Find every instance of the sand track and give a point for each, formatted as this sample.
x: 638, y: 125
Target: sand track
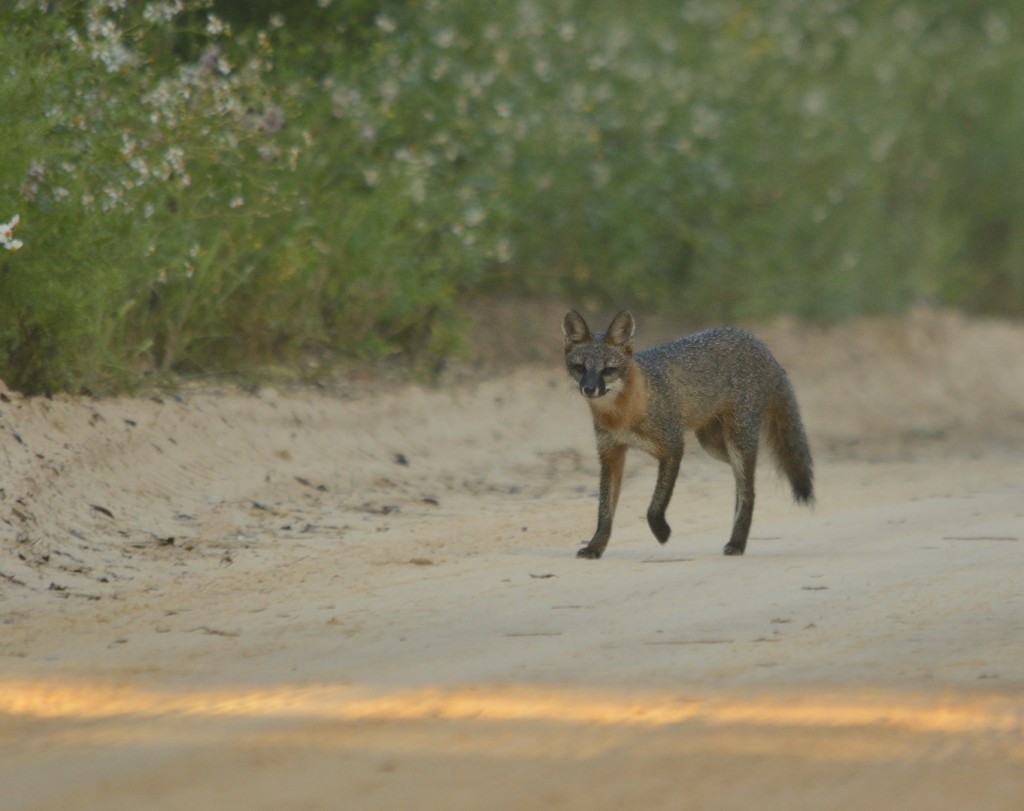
x: 232, y: 600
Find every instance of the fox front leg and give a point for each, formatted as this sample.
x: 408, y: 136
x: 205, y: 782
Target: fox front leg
x: 668, y: 471
x: 613, y: 460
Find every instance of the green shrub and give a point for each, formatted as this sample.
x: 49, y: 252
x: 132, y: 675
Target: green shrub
x: 205, y: 187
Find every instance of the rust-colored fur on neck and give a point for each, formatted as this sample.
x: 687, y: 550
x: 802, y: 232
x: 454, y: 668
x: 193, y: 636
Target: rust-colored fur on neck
x: 628, y: 407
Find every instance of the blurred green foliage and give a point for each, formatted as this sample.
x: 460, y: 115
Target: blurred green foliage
x: 208, y: 186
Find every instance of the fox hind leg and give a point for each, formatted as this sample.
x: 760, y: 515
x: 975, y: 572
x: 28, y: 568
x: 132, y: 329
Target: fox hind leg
x: 742, y: 456
x: 740, y: 453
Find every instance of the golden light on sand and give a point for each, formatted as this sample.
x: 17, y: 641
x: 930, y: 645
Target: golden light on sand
x: 939, y: 714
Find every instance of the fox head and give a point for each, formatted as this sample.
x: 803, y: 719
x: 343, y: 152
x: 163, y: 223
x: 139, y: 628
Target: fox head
x: 599, y: 362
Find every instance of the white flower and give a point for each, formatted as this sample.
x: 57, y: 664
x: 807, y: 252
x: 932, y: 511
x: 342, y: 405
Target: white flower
x: 444, y: 38
x: 503, y: 251
x: 103, y: 29
x: 475, y: 216
x: 114, y: 57
x: 215, y: 25
x: 7, y: 239
x: 174, y: 160
x: 996, y: 28
x: 162, y: 12
x: 371, y: 177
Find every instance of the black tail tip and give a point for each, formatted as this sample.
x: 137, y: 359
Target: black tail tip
x: 803, y: 492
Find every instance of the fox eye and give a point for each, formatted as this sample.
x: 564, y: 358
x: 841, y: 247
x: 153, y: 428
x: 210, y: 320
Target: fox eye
x: 577, y: 368
x: 608, y: 371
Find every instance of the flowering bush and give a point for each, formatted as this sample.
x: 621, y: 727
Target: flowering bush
x: 734, y: 160
x: 208, y: 185
x: 149, y: 153
x: 7, y: 240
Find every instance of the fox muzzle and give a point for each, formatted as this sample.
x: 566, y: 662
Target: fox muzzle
x: 592, y: 385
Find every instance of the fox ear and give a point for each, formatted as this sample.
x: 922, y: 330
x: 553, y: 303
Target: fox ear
x: 575, y: 330
x: 620, y: 332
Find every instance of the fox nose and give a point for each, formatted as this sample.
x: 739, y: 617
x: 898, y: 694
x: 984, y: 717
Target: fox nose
x: 588, y: 391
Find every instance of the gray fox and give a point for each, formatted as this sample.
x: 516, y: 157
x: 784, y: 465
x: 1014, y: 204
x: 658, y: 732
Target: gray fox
x: 723, y: 384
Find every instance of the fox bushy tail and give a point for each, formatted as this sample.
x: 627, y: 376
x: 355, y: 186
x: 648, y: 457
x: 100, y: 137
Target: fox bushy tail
x: 788, y: 443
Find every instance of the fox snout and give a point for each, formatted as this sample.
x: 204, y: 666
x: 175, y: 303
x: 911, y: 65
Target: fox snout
x: 592, y: 385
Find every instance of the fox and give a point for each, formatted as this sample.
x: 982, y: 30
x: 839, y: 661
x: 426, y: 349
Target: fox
x: 722, y: 384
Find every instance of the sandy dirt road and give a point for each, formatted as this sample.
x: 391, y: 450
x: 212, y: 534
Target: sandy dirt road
x: 301, y: 600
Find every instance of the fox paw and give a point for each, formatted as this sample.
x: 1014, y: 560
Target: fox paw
x: 588, y: 553
x: 659, y: 526
x: 733, y: 550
